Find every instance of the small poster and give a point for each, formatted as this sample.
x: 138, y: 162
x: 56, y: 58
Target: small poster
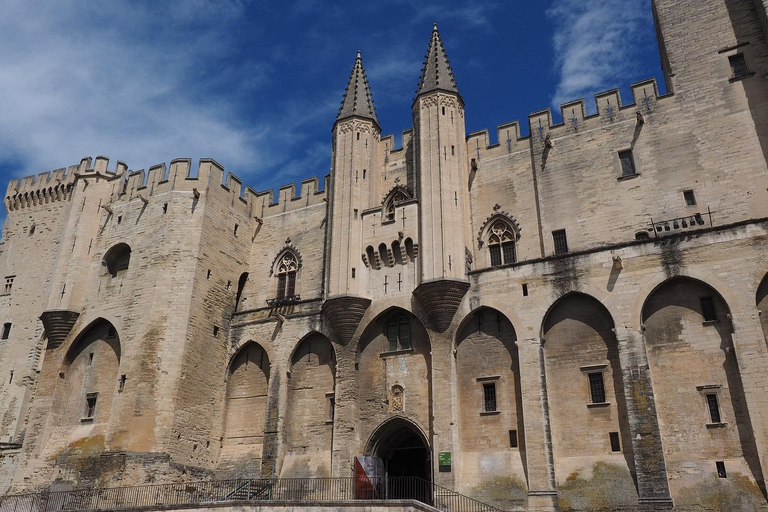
x: 444, y: 462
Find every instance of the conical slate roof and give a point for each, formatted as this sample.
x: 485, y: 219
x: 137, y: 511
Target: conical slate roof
x: 436, y: 73
x: 357, y: 98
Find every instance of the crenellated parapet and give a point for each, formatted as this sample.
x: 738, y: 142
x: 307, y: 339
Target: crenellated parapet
x: 161, y: 178
x: 609, y: 109
x: 57, y: 185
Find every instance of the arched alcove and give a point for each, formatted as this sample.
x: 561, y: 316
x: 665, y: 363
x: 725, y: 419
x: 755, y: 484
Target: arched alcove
x: 117, y: 259
x: 703, y: 417
x: 246, y: 403
x: 588, y: 412
x: 311, y: 407
x: 491, y: 426
x: 88, y: 378
x: 394, y: 368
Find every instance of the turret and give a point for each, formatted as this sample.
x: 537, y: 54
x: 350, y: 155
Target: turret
x: 356, y: 135
x: 443, y: 180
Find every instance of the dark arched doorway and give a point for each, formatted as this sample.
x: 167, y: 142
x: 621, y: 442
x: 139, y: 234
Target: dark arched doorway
x: 404, y: 452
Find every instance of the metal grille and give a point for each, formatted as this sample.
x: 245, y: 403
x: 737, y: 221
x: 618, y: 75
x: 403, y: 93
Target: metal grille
x: 489, y: 397
x: 152, y: 497
x: 509, y: 252
x: 495, y: 255
x: 596, y: 387
x: 738, y: 65
x: 714, y: 408
x: 561, y: 243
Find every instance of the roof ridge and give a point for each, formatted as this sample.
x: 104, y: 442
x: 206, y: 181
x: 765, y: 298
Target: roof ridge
x: 357, y: 96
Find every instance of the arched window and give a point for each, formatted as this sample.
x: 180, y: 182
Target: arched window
x: 286, y: 275
x: 395, y: 196
x: 117, y: 259
x: 398, y: 331
x: 501, y: 243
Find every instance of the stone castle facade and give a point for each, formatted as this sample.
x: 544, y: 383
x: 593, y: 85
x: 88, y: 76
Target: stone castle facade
x: 566, y: 319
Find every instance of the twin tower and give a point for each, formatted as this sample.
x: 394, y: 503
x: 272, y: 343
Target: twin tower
x: 399, y: 219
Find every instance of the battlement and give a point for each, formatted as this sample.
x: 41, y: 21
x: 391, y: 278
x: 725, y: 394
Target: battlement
x: 161, y: 178
x: 178, y: 176
x: 609, y: 109
x: 55, y: 185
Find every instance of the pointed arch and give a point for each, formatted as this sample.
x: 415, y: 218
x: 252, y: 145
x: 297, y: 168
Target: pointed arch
x: 585, y: 386
x: 247, y: 390
x: 394, y: 350
x: 396, y: 195
x: 285, y: 267
x: 88, y: 378
x: 311, y: 408
x: 697, y: 381
x: 488, y: 394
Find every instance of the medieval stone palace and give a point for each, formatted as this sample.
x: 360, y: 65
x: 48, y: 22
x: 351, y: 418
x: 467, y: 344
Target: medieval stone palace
x: 570, y: 318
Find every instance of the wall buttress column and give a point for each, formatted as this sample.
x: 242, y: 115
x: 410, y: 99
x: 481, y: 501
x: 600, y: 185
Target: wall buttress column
x: 444, y: 420
x: 650, y: 468
x: 542, y: 490
x: 345, y: 436
x: 752, y: 359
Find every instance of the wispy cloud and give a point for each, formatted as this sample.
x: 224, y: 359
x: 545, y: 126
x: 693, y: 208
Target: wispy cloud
x: 143, y: 83
x: 596, y: 44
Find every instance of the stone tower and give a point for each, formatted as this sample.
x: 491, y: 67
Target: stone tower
x: 442, y: 180
x: 356, y: 134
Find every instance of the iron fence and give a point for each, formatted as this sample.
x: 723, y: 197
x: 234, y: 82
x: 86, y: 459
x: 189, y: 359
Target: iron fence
x: 315, y: 490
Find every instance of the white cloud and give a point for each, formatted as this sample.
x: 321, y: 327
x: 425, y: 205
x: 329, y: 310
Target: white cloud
x: 596, y: 44
x: 134, y: 81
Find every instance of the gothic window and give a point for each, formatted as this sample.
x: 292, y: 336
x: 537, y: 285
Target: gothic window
x: 501, y: 243
x: 286, y: 275
x: 395, y: 197
x: 398, y: 331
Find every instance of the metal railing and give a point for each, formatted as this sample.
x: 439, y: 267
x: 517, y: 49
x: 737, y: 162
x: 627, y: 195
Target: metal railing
x: 250, y: 490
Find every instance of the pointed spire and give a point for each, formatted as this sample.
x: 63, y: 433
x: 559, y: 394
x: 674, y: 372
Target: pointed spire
x: 436, y: 73
x: 357, y: 98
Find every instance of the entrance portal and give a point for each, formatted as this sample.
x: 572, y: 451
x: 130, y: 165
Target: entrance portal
x: 407, y: 459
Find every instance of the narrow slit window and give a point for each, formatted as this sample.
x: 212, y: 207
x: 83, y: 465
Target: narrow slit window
x: 720, y: 465
x: 121, y: 386
x: 714, y: 408
x: 234, y: 231
x: 708, y: 309
x: 560, y: 241
x: 525, y: 290
x: 690, y: 199
x: 597, y: 388
x: 615, y: 444
x: 215, y: 331
x: 90, y: 359
x: 489, y: 397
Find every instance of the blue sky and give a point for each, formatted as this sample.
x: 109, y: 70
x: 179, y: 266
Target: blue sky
x: 257, y: 85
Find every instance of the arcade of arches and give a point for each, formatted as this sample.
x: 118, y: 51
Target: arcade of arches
x: 593, y: 415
